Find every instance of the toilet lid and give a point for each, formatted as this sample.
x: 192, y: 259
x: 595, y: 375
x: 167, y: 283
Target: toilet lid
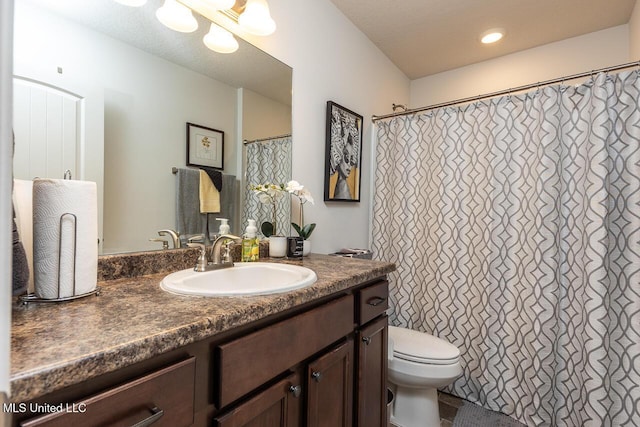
x: 420, y: 347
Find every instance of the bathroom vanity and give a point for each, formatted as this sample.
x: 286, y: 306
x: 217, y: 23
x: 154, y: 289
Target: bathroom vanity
x: 137, y: 355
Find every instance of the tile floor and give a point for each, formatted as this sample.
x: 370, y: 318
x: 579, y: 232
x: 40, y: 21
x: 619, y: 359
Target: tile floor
x: 448, y: 406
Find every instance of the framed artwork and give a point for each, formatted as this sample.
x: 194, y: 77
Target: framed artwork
x: 205, y: 146
x: 343, y: 154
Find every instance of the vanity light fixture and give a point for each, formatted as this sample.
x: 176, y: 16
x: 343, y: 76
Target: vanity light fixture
x: 220, y: 40
x: 252, y: 16
x: 256, y: 18
x: 492, y: 35
x: 177, y: 17
x: 221, y: 4
x: 132, y: 3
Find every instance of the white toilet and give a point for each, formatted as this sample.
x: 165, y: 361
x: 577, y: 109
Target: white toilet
x: 419, y: 364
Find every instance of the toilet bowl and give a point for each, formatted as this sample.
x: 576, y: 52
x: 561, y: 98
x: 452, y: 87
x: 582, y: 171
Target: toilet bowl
x: 419, y: 364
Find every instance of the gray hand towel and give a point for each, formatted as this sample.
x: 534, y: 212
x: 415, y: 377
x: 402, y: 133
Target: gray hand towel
x: 20, y: 267
x: 189, y: 221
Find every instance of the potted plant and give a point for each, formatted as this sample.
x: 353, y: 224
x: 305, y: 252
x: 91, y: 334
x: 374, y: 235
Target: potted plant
x: 270, y: 193
x: 303, y: 195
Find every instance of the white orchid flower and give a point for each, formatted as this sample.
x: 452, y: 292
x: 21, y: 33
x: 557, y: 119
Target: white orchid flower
x: 305, y: 196
x: 264, y: 198
x: 294, y: 186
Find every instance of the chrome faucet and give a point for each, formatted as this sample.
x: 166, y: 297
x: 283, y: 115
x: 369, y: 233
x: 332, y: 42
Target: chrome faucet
x: 217, y: 259
x: 175, y: 237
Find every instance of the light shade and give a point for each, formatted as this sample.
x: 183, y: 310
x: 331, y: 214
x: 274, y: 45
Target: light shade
x: 177, y: 17
x: 221, y: 4
x: 220, y: 40
x: 492, y: 35
x: 134, y: 3
x: 256, y: 18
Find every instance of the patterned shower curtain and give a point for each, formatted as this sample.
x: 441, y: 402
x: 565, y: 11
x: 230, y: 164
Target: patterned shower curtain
x: 515, y: 227
x: 268, y: 161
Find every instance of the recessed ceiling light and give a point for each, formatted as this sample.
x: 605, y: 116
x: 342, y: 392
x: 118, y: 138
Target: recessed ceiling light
x: 492, y: 35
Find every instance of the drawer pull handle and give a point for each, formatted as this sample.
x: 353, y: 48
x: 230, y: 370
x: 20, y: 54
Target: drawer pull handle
x: 316, y: 376
x: 366, y: 340
x: 375, y: 301
x: 156, y: 414
x: 295, y: 390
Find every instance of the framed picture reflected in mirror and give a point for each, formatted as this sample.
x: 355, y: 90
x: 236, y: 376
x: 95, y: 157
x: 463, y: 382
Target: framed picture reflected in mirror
x: 205, y: 146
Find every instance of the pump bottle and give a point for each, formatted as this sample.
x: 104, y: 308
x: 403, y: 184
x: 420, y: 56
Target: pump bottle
x: 250, y: 245
x: 224, y: 226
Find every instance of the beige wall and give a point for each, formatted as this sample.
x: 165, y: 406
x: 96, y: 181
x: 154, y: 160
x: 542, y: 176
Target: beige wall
x: 263, y: 117
x: 634, y: 34
x: 571, y: 56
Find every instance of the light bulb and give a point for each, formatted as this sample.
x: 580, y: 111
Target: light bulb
x: 492, y: 36
x: 256, y: 18
x: 177, y: 17
x: 220, y: 40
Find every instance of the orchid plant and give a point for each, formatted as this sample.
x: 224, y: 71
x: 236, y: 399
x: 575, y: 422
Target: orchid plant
x: 269, y: 193
x: 304, y: 195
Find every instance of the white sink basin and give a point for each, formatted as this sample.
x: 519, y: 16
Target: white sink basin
x: 245, y: 278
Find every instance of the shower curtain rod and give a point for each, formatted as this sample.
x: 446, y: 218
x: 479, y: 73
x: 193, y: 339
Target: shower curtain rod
x: 375, y: 118
x: 266, y: 139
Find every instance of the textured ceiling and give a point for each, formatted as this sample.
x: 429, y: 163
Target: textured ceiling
x: 249, y: 67
x: 424, y: 37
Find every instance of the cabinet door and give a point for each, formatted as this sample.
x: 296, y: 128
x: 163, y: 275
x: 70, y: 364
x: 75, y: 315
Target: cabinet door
x: 371, y: 388
x: 161, y: 398
x: 330, y: 389
x: 278, y: 406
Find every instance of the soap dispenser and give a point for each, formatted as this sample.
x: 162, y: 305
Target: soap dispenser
x: 224, y: 226
x: 250, y: 245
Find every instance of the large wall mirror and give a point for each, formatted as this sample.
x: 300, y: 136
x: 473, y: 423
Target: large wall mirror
x: 106, y: 91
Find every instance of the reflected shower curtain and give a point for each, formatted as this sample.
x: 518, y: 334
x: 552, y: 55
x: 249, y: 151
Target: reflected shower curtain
x: 268, y: 161
x: 515, y: 227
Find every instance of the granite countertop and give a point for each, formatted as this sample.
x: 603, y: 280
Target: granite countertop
x: 57, y: 345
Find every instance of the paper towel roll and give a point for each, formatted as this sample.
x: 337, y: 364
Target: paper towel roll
x: 52, y: 198
x: 23, y: 205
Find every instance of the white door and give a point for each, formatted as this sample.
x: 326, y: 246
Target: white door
x: 6, y: 55
x: 47, y: 131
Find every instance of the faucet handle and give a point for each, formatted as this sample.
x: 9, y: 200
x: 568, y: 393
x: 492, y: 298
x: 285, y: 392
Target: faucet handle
x: 201, y: 264
x: 226, y: 256
x: 165, y: 244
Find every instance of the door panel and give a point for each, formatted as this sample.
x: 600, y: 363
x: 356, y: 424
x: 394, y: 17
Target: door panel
x: 46, y: 122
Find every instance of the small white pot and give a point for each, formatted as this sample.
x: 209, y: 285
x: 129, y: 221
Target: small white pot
x: 306, y: 247
x: 277, y: 246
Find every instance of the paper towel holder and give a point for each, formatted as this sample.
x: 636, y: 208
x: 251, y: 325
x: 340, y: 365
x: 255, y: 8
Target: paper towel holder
x: 26, y: 299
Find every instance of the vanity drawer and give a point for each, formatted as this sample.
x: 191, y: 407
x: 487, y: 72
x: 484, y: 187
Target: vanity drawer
x: 254, y: 359
x: 372, y: 301
x: 166, y: 395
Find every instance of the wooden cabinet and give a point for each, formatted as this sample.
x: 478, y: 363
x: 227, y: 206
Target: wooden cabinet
x: 371, y: 372
x: 323, y: 365
x: 329, y: 394
x: 371, y: 400
x: 162, y: 398
x: 326, y: 393
x: 251, y: 360
x: 279, y: 405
